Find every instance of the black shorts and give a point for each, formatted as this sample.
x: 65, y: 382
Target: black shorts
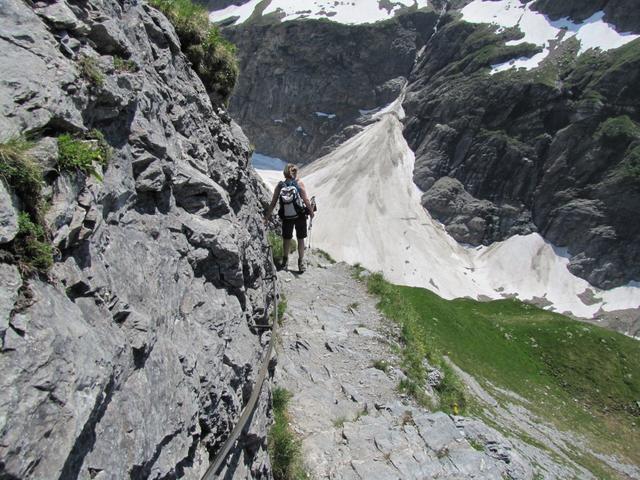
x: 300, y: 224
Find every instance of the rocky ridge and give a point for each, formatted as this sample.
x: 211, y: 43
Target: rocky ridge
x: 549, y: 150
x: 135, y: 355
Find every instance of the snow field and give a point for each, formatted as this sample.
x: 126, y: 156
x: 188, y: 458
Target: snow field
x: 369, y: 211
x: 351, y: 12
x: 538, y: 29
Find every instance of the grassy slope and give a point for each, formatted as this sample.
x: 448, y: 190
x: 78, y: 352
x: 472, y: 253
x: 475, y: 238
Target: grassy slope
x: 580, y: 377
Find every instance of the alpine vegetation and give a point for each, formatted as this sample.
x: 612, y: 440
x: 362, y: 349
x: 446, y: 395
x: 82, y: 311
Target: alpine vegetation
x: 212, y: 57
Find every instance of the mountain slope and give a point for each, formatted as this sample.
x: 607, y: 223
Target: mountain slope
x: 548, y: 150
x: 371, y: 213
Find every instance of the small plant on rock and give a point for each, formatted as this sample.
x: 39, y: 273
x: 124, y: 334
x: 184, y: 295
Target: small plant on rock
x: 20, y: 171
x: 282, y: 307
x: 284, y: 448
x: 325, y: 255
x: 23, y: 175
x: 34, y: 252
x: 381, y: 365
x: 212, y: 57
x: 618, y: 129
x: 276, y: 243
x: 123, y: 65
x: 77, y: 154
x: 631, y: 164
x: 90, y: 70
x: 339, y: 422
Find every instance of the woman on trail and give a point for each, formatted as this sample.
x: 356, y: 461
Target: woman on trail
x: 294, y: 208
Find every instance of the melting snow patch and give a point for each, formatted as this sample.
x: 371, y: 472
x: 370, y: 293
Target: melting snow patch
x: 368, y: 112
x: 540, y: 30
x: 342, y: 11
x: 371, y: 213
x: 243, y: 12
x: 326, y: 115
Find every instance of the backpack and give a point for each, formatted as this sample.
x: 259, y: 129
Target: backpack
x: 291, y: 205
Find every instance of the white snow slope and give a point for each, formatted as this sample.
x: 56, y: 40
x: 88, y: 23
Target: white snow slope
x: 370, y: 212
x: 540, y: 30
x: 343, y: 11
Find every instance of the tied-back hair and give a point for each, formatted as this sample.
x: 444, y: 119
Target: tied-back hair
x: 290, y: 171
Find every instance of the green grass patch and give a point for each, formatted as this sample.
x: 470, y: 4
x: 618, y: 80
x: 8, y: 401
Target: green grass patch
x: 325, y: 255
x: 213, y: 57
x: 277, y: 246
x: 358, y: 270
x: 417, y: 347
x: 630, y: 166
x: 90, y: 70
x: 476, y: 444
x: 381, y: 365
x: 31, y: 246
x: 578, y: 376
x: 282, y: 307
x: 123, y: 65
x: 283, y: 446
x: 83, y: 154
x: 339, y: 422
x: 618, y: 129
x: 23, y: 175
x: 21, y: 172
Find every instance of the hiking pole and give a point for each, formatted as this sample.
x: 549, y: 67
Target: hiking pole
x: 314, y: 208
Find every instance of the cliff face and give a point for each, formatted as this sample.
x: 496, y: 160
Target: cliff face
x: 550, y: 150
x: 135, y: 357
x: 303, y: 82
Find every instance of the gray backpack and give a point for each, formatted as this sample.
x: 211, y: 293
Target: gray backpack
x: 291, y: 204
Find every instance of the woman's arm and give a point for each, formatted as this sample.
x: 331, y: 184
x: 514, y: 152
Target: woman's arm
x: 274, y: 200
x: 305, y: 198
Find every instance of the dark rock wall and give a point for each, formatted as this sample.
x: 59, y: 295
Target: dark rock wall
x: 521, y: 152
x: 291, y: 70
x: 136, y: 357
x: 624, y: 14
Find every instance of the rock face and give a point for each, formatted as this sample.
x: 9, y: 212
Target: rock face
x: 136, y: 357
x: 303, y: 82
x: 552, y: 150
x: 618, y: 12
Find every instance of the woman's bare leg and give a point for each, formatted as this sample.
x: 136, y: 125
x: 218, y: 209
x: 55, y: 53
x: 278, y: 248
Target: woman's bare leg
x: 286, y: 247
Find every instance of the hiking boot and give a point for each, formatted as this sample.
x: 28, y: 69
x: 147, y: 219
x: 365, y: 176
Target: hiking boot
x: 285, y: 263
x: 301, y: 266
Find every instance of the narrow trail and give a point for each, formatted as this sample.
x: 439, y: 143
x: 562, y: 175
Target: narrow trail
x: 353, y: 422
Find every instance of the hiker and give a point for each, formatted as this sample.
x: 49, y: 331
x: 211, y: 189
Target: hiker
x: 294, y: 208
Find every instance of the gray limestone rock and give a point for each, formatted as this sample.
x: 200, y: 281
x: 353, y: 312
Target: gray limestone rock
x: 137, y: 357
x: 60, y: 16
x: 10, y: 281
x: 8, y: 215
